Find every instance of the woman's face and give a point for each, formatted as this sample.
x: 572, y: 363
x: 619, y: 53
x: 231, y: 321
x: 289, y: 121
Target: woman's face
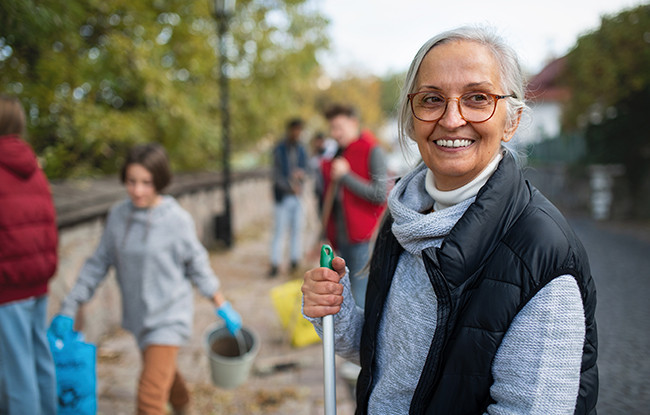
x: 454, y: 69
x: 140, y: 186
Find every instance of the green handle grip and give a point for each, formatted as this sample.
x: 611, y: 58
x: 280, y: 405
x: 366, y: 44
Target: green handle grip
x: 326, y: 256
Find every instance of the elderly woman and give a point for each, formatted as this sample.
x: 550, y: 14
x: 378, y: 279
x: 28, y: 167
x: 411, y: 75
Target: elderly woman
x: 480, y: 298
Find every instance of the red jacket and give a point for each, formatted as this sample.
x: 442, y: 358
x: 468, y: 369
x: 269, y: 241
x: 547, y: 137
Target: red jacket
x: 361, y: 215
x: 28, y: 232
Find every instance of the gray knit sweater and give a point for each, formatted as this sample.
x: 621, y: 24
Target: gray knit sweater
x: 157, y: 257
x: 537, y: 367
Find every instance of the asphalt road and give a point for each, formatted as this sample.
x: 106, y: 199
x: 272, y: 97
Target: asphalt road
x: 620, y: 264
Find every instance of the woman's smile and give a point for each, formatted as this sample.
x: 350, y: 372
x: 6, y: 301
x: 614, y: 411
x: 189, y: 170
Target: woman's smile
x: 454, y: 143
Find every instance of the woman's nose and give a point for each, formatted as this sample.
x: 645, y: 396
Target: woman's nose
x: 452, y: 118
x: 138, y: 189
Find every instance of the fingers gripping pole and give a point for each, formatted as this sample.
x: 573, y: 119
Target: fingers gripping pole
x: 329, y: 364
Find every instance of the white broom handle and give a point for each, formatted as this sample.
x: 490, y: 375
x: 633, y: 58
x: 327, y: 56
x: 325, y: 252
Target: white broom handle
x: 329, y: 365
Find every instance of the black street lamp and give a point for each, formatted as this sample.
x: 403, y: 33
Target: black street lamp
x: 223, y: 11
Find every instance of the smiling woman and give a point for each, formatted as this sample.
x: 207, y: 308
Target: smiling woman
x: 465, y: 69
x: 480, y: 299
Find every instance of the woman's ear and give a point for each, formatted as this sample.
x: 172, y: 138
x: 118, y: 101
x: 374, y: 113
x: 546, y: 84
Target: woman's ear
x: 512, y: 127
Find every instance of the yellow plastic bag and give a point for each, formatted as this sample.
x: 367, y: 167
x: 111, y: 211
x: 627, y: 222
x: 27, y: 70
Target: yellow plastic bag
x: 287, y: 300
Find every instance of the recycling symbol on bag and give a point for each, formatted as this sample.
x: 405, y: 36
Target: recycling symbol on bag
x: 68, y: 398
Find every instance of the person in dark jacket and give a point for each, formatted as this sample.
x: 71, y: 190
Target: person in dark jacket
x: 289, y: 174
x: 480, y: 298
x: 28, y: 259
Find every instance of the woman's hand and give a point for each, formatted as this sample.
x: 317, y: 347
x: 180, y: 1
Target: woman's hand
x: 321, y: 290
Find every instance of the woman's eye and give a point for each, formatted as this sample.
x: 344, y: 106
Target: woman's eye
x: 477, y: 98
x: 432, y: 99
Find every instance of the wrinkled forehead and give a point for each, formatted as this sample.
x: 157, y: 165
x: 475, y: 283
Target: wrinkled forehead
x: 458, y: 64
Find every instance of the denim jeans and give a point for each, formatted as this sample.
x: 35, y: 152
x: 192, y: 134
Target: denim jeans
x: 27, y: 375
x: 288, y: 218
x: 356, y: 258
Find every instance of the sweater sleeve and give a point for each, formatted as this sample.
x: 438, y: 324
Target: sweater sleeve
x: 92, y: 272
x: 197, y: 262
x: 375, y: 190
x: 348, y: 325
x: 537, y: 367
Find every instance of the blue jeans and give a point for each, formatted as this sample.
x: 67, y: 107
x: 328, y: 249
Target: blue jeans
x: 27, y: 376
x: 288, y: 218
x: 356, y: 258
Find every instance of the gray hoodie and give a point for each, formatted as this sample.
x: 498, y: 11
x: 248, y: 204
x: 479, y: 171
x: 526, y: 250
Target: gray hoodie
x: 157, y: 257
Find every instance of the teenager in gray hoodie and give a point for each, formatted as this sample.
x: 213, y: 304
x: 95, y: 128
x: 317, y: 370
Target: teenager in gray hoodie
x: 151, y: 242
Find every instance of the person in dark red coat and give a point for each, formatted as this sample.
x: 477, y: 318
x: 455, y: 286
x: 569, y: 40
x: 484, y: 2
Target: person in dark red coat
x: 28, y: 259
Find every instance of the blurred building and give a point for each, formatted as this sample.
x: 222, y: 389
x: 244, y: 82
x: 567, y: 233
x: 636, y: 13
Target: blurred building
x: 545, y: 96
x: 540, y: 134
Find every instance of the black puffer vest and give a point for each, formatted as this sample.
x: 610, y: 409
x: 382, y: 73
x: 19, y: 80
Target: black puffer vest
x: 508, y: 245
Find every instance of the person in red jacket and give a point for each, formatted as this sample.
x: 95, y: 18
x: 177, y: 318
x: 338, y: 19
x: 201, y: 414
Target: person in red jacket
x: 355, y: 185
x: 28, y: 259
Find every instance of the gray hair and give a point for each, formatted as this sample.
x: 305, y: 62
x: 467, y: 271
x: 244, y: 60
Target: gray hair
x: 512, y: 77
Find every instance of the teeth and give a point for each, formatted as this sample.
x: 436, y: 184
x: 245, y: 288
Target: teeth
x: 453, y: 143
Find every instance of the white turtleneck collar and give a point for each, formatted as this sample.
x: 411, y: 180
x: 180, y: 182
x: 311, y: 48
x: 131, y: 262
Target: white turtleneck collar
x: 445, y: 199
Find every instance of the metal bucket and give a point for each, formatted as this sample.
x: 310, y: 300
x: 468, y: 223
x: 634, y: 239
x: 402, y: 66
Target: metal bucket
x: 230, y: 368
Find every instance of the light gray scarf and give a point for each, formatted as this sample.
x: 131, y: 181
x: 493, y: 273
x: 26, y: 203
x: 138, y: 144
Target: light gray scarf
x: 409, y: 319
x: 415, y: 226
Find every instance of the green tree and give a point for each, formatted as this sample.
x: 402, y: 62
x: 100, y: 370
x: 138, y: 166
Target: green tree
x: 608, y: 72
x: 608, y: 65
x: 391, y: 85
x: 97, y: 76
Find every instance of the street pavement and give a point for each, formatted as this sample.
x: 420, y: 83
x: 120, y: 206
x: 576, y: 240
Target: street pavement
x: 620, y: 263
x: 619, y: 255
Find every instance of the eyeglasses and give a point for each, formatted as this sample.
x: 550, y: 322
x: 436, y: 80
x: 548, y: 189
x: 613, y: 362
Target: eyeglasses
x: 473, y: 107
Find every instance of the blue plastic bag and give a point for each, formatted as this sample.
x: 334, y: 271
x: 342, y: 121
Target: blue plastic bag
x: 76, y: 379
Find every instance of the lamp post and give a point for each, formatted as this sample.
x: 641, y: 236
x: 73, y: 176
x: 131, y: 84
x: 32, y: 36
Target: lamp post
x: 223, y: 11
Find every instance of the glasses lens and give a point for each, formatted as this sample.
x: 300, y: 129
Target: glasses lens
x: 476, y: 106
x: 428, y: 106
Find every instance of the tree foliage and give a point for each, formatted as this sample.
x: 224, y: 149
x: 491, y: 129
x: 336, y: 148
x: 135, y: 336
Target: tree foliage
x: 392, y: 84
x: 608, y: 72
x: 97, y: 76
x: 607, y: 66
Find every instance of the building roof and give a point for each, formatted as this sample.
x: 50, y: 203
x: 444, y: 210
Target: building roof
x: 546, y: 86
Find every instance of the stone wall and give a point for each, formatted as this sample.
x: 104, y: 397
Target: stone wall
x: 81, y: 211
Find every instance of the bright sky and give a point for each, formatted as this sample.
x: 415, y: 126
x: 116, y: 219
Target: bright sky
x: 378, y: 36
